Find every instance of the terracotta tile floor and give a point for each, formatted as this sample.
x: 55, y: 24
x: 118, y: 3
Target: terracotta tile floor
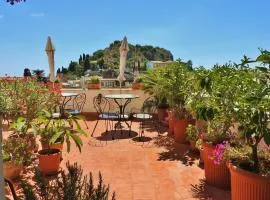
x: 156, y: 169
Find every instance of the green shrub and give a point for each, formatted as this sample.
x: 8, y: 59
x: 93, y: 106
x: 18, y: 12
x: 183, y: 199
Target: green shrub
x: 94, y: 79
x: 69, y: 185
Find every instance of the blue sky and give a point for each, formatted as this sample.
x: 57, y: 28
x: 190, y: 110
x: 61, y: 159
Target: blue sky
x: 206, y: 32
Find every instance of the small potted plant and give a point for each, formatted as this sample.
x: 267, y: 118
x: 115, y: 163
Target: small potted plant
x: 138, y: 83
x: 53, y: 133
x: 180, y: 122
x: 213, y: 141
x: 94, y: 82
x: 16, y: 155
x: 192, y: 136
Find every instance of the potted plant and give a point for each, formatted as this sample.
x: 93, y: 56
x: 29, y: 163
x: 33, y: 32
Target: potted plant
x: 94, y: 82
x: 138, y: 83
x: 213, y: 141
x: 53, y: 133
x: 192, y: 136
x: 249, y: 165
x: 16, y: 155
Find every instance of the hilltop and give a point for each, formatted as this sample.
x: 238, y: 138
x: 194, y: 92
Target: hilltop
x: 109, y: 58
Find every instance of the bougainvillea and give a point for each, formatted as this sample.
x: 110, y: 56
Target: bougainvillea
x: 218, y: 152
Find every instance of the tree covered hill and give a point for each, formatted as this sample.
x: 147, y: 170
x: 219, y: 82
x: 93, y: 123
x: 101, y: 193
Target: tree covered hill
x: 109, y: 58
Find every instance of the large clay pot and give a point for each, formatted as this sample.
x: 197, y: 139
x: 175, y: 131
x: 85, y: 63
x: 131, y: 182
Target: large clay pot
x: 171, y: 121
x: 12, y: 170
x: 248, y: 186
x: 217, y: 175
x: 201, y: 156
x: 94, y: 86
x: 137, y: 86
x: 49, y: 161
x: 162, y: 114
x: 179, y: 130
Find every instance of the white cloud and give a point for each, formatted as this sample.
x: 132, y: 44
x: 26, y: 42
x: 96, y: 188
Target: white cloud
x: 1, y: 16
x: 37, y: 14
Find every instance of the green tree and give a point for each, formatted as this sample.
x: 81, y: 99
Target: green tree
x: 64, y: 70
x: 87, y: 64
x: 79, y: 70
x: 72, y: 66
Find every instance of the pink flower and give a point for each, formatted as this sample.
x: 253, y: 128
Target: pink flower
x: 218, y: 152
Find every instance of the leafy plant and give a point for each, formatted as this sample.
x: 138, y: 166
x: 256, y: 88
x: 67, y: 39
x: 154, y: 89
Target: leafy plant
x: 70, y: 185
x: 53, y: 129
x: 192, y: 133
x: 138, y: 79
x: 252, y: 109
x: 24, y: 99
x: 172, y: 83
x: 94, y: 79
x: 16, y: 150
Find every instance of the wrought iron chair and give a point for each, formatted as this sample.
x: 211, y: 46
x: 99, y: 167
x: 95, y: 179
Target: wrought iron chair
x: 104, y: 112
x: 78, y: 105
x: 146, y: 116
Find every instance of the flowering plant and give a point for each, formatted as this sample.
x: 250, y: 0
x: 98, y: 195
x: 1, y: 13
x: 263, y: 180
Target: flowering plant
x: 25, y: 98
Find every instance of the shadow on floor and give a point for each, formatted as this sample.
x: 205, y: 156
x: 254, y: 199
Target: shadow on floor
x: 116, y: 135
x: 203, y: 191
x: 173, y: 151
x: 142, y: 139
x: 200, y: 191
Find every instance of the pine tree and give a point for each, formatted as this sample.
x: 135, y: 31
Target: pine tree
x: 87, y: 65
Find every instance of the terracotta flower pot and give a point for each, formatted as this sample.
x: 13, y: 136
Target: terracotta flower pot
x: 171, y: 121
x: 49, y: 161
x: 12, y: 170
x: 137, y: 86
x: 201, y: 156
x: 217, y: 175
x: 162, y: 114
x: 248, y: 186
x: 94, y: 86
x: 179, y: 130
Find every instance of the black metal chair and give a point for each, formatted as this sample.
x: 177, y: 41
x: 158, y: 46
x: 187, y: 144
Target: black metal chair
x: 104, y: 110
x: 146, y: 116
x: 78, y: 105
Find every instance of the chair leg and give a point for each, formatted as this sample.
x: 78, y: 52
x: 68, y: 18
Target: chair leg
x: 95, y: 128
x: 130, y: 125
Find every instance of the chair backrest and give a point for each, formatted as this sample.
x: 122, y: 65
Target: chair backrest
x: 79, y: 102
x: 149, y: 105
x: 101, y: 104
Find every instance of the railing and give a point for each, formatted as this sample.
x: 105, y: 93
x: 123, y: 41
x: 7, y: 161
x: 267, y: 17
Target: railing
x: 90, y: 94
